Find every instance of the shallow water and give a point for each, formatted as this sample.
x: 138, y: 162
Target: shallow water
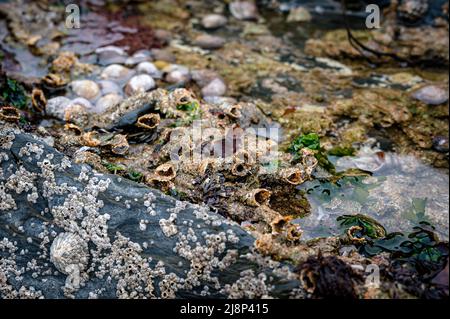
x: 400, y: 194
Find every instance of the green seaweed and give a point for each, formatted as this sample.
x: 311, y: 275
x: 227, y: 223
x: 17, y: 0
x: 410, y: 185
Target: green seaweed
x: 191, y: 107
x: 113, y: 168
x: 14, y: 93
x: 370, y: 227
x: 311, y: 141
x: 134, y: 176
x: 342, y: 151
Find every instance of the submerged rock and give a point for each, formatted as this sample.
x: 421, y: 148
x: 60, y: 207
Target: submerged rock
x: 142, y: 243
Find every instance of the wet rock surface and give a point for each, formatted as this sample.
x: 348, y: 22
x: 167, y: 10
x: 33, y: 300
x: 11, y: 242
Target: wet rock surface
x: 141, y: 242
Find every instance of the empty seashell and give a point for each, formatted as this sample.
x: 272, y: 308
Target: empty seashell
x: 69, y: 249
x: 139, y: 84
x: 38, y: 100
x: 70, y: 255
x: 86, y: 89
x: 148, y: 121
x: 9, y: 114
x: 73, y: 128
x: 115, y: 72
x: 54, y: 80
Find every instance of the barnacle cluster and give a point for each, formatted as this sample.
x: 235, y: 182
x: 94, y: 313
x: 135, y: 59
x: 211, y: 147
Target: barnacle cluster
x: 219, y: 154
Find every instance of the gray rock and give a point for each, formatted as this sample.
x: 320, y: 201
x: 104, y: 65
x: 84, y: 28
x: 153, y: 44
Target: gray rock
x: 141, y: 242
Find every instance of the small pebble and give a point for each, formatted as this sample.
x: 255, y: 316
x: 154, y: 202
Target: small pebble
x: 108, y: 87
x: 106, y: 102
x: 163, y: 55
x: 138, y: 57
x: 150, y: 69
x: 83, y: 102
x: 115, y: 72
x: 215, y: 88
x: 110, y: 55
x: 209, y: 42
x: 204, y: 77
x: 177, y: 76
x: 213, y: 21
x: 86, y: 89
x: 243, y: 10
x: 431, y: 94
x: 57, y: 106
x: 140, y: 83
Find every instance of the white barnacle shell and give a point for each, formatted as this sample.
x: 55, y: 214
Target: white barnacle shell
x: 67, y: 251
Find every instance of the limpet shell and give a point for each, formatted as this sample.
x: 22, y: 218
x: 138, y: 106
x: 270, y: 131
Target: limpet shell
x: 69, y: 249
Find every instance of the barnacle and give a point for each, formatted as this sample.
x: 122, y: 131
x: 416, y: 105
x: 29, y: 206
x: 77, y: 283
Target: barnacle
x: 38, y: 100
x: 258, y: 197
x: 54, y: 80
x: 73, y: 128
x: 232, y: 110
x: 240, y: 169
x: 9, y: 114
x: 148, y: 121
x: 351, y: 233
x: 119, y: 144
x: 165, y: 172
x: 89, y: 139
x: 292, y: 175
